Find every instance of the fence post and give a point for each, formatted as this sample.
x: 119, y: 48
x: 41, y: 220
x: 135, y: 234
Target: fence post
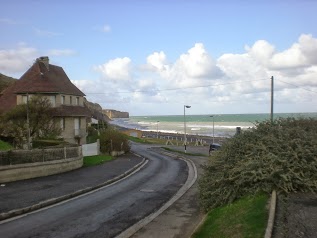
x: 64, y: 152
x: 98, y: 146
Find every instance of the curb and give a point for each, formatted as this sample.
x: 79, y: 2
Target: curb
x: 270, y: 223
x: 49, y: 202
x: 192, y: 172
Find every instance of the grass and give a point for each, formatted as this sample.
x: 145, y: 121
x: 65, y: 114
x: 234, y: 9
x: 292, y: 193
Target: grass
x: 96, y: 159
x: 5, y: 145
x: 244, y: 218
x: 182, y: 152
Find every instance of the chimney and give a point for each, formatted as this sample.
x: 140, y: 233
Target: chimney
x: 44, y: 60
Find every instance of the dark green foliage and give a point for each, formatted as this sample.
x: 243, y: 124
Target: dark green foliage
x: 93, y: 135
x: 5, y: 146
x: 282, y: 156
x: 14, y: 122
x: 112, y: 140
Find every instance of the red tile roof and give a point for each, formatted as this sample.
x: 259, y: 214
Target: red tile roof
x: 8, y: 99
x: 38, y: 79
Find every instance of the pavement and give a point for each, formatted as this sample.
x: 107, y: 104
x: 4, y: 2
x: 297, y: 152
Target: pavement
x: 28, y: 195
x: 179, y: 220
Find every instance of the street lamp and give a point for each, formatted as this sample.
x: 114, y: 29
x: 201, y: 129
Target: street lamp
x: 157, y: 128
x: 213, y: 129
x: 185, y: 141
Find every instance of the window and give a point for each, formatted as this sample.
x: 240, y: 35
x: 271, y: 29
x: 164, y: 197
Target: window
x: 53, y: 100
x: 70, y: 100
x: 77, y: 100
x: 63, y: 99
x: 63, y: 123
x: 24, y: 99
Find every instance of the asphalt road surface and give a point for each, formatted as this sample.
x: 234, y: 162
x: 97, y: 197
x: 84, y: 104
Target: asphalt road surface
x: 109, y: 211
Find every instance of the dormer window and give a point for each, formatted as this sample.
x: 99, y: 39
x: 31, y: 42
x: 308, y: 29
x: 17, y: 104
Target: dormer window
x: 70, y: 100
x: 77, y: 100
x: 63, y: 99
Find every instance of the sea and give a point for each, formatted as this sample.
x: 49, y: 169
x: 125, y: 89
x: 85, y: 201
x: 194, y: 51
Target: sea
x: 222, y: 125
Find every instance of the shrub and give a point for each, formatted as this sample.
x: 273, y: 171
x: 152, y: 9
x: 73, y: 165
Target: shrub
x: 112, y: 140
x: 281, y: 156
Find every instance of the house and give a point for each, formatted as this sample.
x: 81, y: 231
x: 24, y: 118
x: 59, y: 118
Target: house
x: 50, y: 81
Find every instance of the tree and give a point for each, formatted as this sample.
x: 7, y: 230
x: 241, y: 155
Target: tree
x: 112, y: 140
x: 41, y: 122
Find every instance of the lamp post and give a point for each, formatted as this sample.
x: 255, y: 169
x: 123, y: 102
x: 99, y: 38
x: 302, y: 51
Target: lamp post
x: 185, y: 140
x: 213, y: 129
x: 157, y: 129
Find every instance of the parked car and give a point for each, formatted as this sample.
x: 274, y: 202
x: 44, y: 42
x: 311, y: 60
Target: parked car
x: 214, y: 146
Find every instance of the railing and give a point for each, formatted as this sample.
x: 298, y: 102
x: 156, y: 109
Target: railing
x: 13, y: 157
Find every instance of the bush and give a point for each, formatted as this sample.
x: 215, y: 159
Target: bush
x: 5, y: 146
x: 281, y: 156
x: 112, y: 140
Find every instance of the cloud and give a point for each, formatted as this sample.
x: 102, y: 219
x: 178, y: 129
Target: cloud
x: 157, y: 61
x: 61, y: 52
x: 196, y: 62
x: 8, y: 21
x: 118, y: 69
x: 45, y: 33
x: 105, y: 28
x: 17, y: 60
x: 232, y: 83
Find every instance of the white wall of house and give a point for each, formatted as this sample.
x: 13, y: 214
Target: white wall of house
x: 71, y: 126
x: 74, y: 127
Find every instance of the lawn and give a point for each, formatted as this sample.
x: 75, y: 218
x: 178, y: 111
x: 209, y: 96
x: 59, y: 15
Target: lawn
x: 182, y: 152
x: 96, y: 159
x: 244, y: 218
x: 5, y: 146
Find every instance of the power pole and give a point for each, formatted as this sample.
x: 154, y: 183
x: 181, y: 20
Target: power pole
x: 28, y: 121
x: 272, y: 98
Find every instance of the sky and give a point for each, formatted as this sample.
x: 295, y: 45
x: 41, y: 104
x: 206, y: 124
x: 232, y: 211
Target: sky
x: 154, y: 57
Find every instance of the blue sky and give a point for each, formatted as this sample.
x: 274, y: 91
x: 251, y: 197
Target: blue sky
x: 217, y: 55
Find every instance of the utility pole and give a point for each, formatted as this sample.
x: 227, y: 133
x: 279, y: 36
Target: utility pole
x: 272, y: 98
x: 28, y: 121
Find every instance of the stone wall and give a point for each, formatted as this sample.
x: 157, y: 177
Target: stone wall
x: 17, y: 172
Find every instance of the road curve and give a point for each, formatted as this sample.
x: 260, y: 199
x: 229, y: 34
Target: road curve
x: 108, y: 211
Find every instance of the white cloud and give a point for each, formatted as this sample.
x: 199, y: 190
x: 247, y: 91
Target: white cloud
x: 157, y: 61
x: 61, y: 52
x: 106, y: 28
x: 45, y: 33
x: 233, y: 83
x: 196, y: 62
x: 8, y: 21
x: 118, y: 69
x: 13, y: 61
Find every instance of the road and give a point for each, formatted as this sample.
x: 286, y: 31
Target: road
x: 108, y: 211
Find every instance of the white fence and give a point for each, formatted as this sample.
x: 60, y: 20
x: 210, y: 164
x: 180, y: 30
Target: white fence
x: 91, y: 149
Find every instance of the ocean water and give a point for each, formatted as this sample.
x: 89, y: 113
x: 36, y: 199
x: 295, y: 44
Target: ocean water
x: 223, y: 125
